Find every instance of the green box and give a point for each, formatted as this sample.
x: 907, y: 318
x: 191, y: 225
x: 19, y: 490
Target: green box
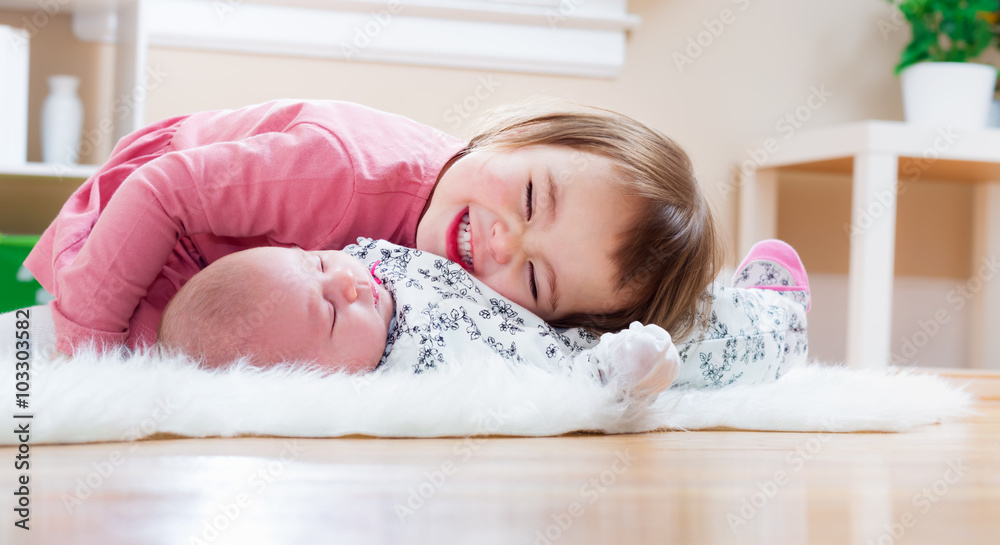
x: 18, y: 288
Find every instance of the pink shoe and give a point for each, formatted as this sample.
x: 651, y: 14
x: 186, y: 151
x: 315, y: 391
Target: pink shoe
x: 774, y: 265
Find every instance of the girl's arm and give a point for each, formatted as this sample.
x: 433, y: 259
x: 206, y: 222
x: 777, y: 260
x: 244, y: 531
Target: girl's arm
x: 290, y: 186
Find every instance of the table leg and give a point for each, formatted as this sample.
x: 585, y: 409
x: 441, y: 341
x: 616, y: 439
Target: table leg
x: 984, y: 285
x: 758, y: 208
x: 873, y: 238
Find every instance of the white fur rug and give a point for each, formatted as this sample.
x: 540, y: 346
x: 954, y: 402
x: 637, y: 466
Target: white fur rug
x: 92, y: 398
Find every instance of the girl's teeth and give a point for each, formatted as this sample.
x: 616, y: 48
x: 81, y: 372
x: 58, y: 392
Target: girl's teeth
x: 465, y: 240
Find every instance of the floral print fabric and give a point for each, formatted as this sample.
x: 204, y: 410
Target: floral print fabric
x: 443, y: 314
x: 752, y: 336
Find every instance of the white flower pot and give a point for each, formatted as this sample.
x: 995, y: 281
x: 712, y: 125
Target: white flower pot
x: 940, y: 94
x: 993, y: 119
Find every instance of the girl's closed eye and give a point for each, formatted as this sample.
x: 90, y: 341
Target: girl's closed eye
x: 529, y: 208
x: 528, y: 204
x: 531, y: 281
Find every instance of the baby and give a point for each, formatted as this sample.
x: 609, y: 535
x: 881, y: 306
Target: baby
x: 331, y: 308
x: 274, y: 304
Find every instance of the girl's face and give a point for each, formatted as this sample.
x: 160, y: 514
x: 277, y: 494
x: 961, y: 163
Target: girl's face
x: 322, y: 306
x: 537, y: 224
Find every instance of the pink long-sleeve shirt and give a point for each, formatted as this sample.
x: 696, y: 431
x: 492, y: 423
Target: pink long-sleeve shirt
x: 180, y: 194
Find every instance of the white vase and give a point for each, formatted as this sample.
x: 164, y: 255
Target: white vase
x: 62, y: 121
x: 940, y: 94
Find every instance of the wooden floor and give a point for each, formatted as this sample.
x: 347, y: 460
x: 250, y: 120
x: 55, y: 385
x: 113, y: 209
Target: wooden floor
x: 938, y: 484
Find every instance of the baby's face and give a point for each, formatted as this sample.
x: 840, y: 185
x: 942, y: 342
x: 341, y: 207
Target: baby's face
x: 327, y: 308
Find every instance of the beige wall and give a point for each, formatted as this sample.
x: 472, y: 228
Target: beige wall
x: 933, y: 221
x: 727, y: 100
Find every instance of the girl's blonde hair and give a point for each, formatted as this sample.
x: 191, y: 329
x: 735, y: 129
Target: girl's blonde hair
x: 670, y: 254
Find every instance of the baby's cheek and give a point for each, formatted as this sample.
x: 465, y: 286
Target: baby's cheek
x: 358, y: 366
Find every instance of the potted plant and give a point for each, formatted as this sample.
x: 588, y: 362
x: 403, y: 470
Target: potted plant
x: 941, y: 84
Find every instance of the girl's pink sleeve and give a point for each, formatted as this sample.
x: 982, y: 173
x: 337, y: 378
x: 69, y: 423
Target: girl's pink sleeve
x: 292, y: 187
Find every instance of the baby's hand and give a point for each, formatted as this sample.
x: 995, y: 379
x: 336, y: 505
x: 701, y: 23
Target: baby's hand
x: 643, y: 357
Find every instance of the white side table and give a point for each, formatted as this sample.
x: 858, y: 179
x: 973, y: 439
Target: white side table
x: 880, y: 153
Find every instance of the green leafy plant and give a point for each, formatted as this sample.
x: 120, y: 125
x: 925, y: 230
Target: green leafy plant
x: 947, y: 30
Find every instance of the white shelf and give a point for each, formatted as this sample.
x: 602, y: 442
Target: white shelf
x: 893, y: 137
x: 31, y: 194
x: 47, y: 170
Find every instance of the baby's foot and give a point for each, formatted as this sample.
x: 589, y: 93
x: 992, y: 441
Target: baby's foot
x: 774, y: 265
x: 643, y: 359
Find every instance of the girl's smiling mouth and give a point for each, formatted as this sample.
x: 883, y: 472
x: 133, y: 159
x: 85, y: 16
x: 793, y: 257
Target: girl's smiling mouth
x: 459, y: 244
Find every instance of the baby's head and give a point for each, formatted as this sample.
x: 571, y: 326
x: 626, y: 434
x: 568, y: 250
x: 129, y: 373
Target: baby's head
x: 584, y: 216
x: 275, y: 304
